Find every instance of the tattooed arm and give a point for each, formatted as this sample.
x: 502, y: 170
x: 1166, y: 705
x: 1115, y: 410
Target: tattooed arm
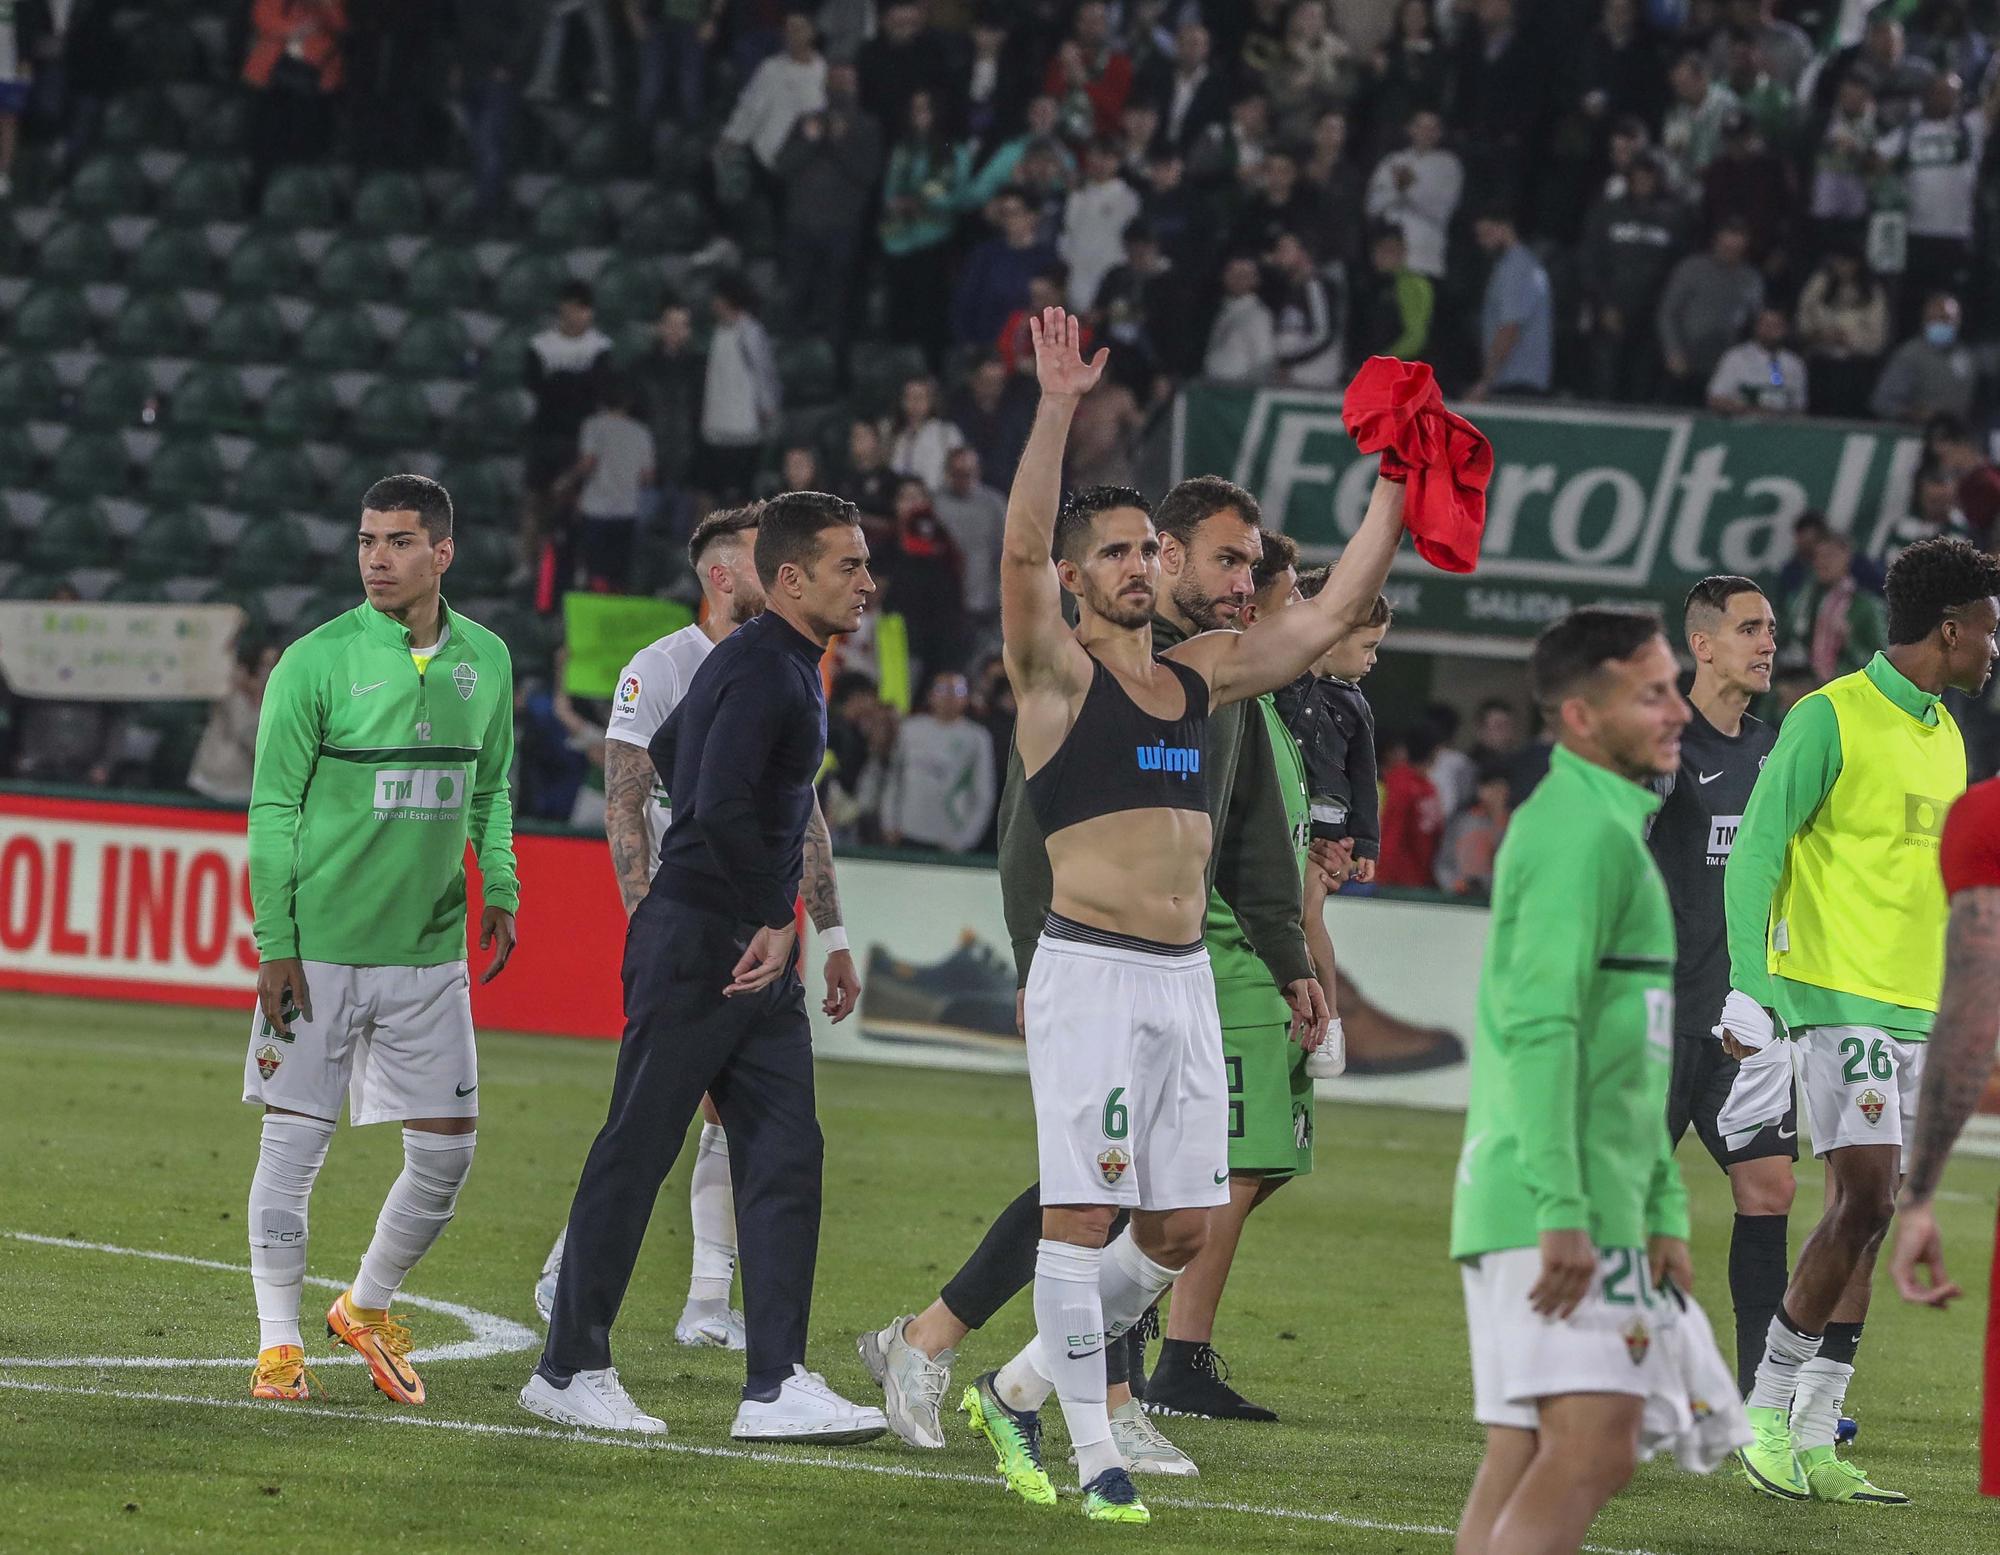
x: 1956, y: 1063
x: 821, y: 894
x: 628, y: 789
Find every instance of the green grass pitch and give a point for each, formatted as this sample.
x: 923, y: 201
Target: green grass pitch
x: 122, y: 1128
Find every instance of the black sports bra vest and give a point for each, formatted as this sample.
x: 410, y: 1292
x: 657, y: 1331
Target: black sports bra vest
x: 1117, y: 756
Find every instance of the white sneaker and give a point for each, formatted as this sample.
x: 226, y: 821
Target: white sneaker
x: 545, y: 1284
x: 593, y: 1401
x: 913, y: 1383
x: 1328, y: 1061
x: 806, y: 1410
x: 1146, y: 1451
x: 704, y: 1328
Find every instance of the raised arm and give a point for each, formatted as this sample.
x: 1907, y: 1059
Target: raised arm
x: 1284, y: 644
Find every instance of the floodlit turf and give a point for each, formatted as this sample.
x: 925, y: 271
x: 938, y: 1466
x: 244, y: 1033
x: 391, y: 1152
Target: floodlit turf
x: 122, y: 1128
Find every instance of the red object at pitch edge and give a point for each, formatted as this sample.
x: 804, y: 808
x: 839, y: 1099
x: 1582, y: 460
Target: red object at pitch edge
x: 1394, y: 408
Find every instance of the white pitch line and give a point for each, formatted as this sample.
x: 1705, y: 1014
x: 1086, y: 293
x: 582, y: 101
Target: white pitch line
x: 491, y: 1334
x: 801, y: 1458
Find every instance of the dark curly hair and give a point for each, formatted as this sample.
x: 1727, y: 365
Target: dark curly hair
x: 1074, y: 521
x: 1933, y: 579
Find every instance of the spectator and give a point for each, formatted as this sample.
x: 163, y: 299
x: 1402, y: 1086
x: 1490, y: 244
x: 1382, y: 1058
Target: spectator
x: 786, y: 87
x: 1451, y: 770
x: 1750, y: 185
x: 1516, y: 318
x: 1418, y: 188
x: 1141, y: 306
x: 1620, y: 71
x: 596, y: 19
x: 1192, y: 97
x: 1496, y: 734
x: 1090, y: 76
x: 1472, y: 838
x: 1138, y: 133
x: 1843, y: 163
x: 867, y: 481
x: 1709, y: 301
x: 921, y: 438
x: 828, y: 169
x: 616, y: 467
x: 1104, y: 436
x: 1844, y: 325
x: 566, y: 364
x: 1003, y: 162
x: 490, y: 39
x: 1412, y: 815
x: 940, y: 790
x: 994, y: 281
x: 1409, y: 73
x: 1808, y: 530
x: 1174, y: 212
x: 16, y: 84
x: 1766, y: 101
x: 1501, y: 87
x: 67, y: 742
x: 906, y: 57
x: 1094, y: 221
x: 1842, y: 624
x: 1281, y: 201
x: 295, y: 67
x: 1630, y: 142
x: 741, y: 397
x: 1630, y: 243
x: 1943, y: 33
x: 993, y: 88
x: 1335, y: 183
x: 1895, y: 77
x: 993, y: 705
x: 994, y: 409
x: 1392, y: 316
x: 669, y: 381
x: 1230, y: 152
x: 228, y: 749
x: 1931, y: 374
x: 920, y: 571
x: 673, y: 38
x: 798, y: 469
x: 1760, y: 376
x: 1313, y: 72
x: 1937, y: 156
x: 974, y: 515
x: 920, y: 198
x: 1242, y: 342
x: 860, y: 740
x: 1977, y: 481
x: 1782, y: 48
x: 1307, y: 321
x: 1934, y: 510
x: 1692, y: 133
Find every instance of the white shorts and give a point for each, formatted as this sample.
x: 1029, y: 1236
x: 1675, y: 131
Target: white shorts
x: 395, y: 1041
x: 1860, y: 1085
x: 1125, y: 1057
x: 1609, y: 1344
x: 1760, y: 1095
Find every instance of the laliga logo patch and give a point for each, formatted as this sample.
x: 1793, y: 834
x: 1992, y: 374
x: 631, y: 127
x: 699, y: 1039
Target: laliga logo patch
x: 1111, y: 1165
x: 268, y: 1059
x: 465, y: 677
x: 1871, y: 1102
x: 1638, y: 1339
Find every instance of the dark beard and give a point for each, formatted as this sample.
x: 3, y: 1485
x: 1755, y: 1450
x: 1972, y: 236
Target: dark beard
x: 1199, y: 608
x: 1115, y: 609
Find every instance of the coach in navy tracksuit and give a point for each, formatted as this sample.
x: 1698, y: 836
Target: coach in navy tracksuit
x: 713, y: 1001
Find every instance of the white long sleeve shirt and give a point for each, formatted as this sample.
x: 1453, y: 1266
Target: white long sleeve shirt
x: 1424, y: 209
x: 1242, y: 344
x: 780, y: 93
x: 940, y: 790
x: 1093, y: 236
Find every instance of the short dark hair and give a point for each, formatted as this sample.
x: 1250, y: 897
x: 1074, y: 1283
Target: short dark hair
x: 1313, y: 579
x: 1496, y: 705
x: 1711, y: 597
x: 1280, y: 551
x: 417, y: 494
x: 1184, y: 509
x: 1573, y: 648
x: 1073, y: 522
x: 1811, y: 518
x: 789, y: 527
x: 733, y: 287
x: 722, y: 524
x: 1443, y: 717
x: 577, y: 291
x: 851, y: 683
x: 1931, y: 580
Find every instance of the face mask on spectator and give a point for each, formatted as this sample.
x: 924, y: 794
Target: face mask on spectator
x: 1941, y: 333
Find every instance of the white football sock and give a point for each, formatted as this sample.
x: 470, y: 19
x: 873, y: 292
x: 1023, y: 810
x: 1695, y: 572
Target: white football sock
x: 1069, y: 1341
x: 418, y: 1207
x: 1816, y: 1406
x: 1786, y: 1349
x: 712, y: 1210
x: 1128, y: 1283
x: 289, y: 1156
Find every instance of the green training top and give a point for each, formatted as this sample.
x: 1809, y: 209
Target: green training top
x: 1233, y: 961
x: 369, y: 778
x: 1567, y: 1126
x: 1798, y: 775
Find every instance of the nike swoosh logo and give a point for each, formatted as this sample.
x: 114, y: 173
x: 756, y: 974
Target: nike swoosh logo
x: 1084, y: 1355
x: 1788, y: 1133
x: 357, y: 689
x: 466, y: 1090
x: 1707, y: 777
x: 1221, y: 1177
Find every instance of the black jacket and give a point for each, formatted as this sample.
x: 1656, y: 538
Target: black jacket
x: 1335, y: 729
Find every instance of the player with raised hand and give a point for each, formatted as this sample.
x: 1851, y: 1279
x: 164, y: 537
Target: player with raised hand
x: 1836, y: 927
x: 1569, y: 1211
x: 1124, y: 1046
x: 383, y: 745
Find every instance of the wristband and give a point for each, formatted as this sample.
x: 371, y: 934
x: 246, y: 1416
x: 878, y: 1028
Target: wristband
x: 833, y: 939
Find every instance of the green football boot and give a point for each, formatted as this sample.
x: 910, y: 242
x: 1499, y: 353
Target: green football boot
x: 1769, y: 1462
x: 1113, y: 1498
x: 1832, y: 1478
x: 1016, y: 1440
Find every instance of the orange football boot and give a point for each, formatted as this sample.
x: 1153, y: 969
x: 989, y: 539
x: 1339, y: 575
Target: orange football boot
x: 281, y: 1373
x: 382, y: 1341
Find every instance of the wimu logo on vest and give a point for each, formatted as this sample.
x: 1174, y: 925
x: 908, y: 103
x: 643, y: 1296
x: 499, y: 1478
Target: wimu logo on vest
x: 419, y: 794
x: 1162, y: 757
x: 1923, y: 820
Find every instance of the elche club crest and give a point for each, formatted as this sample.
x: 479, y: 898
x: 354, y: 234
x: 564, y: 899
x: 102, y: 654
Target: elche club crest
x: 1871, y: 1102
x: 1638, y: 1340
x: 1111, y: 1165
x: 268, y: 1059
x: 465, y: 677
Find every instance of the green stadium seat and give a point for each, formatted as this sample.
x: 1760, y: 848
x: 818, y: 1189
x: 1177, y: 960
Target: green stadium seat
x: 880, y: 369
x: 80, y: 251
x: 432, y: 347
x: 484, y: 555
x: 185, y: 469
x: 50, y: 318
x: 266, y: 262
x: 504, y: 361
x: 671, y: 221
x: 571, y: 217
x: 390, y: 202
x: 153, y: 324
x: 679, y: 157
x: 89, y: 464
x: 115, y: 394
x: 165, y: 48
x: 356, y: 270
x: 171, y: 257
x: 808, y: 372
x: 596, y: 151
x: 206, y: 189
x: 481, y: 494
x: 211, y: 398
x: 222, y: 129
x: 629, y: 291
x: 444, y: 275
x: 247, y: 330
x: 302, y: 197
x: 140, y: 121
x: 109, y: 184
x: 488, y: 420
x: 392, y: 415
x: 340, y: 338
x: 27, y: 584
x: 301, y: 407
x: 526, y: 288
x: 275, y: 478
x: 28, y: 388
x: 17, y: 458
x: 174, y: 543
x: 270, y: 551
x: 71, y: 534
x: 458, y: 213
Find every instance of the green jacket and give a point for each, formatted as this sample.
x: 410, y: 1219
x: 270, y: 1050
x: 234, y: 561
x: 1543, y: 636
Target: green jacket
x: 1867, y: 624
x: 1566, y: 1127
x: 1251, y: 862
x: 369, y: 779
